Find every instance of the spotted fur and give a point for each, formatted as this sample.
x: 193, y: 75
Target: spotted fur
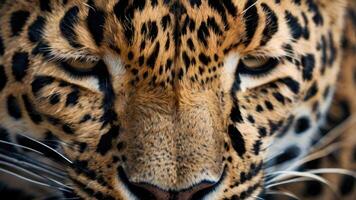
x: 153, y: 99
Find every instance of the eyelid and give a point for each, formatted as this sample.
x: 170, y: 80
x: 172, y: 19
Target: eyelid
x: 258, y: 71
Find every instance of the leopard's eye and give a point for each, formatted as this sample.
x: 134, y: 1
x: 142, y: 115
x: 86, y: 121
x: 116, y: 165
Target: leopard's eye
x: 83, y: 63
x: 251, y: 65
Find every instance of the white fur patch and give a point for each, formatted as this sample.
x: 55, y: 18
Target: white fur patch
x: 115, y: 65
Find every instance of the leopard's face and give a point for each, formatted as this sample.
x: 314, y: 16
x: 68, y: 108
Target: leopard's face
x: 175, y: 99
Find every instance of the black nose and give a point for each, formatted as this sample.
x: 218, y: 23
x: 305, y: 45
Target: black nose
x: 146, y: 191
x: 195, y: 192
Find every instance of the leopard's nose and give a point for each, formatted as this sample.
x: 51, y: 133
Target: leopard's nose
x: 157, y: 193
x: 146, y: 191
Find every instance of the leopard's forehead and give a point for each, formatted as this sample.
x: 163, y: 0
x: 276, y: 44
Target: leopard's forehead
x: 158, y: 41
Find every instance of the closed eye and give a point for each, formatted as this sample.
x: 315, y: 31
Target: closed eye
x: 256, y: 66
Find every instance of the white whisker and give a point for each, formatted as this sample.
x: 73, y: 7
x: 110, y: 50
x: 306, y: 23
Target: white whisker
x: 283, y: 193
x: 20, y: 146
x: 50, y: 148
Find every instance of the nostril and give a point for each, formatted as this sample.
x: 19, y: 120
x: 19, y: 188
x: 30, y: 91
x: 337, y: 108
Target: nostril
x: 156, y: 192
x: 196, y: 192
x: 199, y: 191
x: 139, y: 191
x: 146, y: 191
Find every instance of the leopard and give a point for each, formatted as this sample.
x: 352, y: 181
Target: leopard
x: 177, y: 99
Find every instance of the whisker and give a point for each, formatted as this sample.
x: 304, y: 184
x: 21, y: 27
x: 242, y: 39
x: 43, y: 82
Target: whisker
x: 31, y: 166
x: 20, y: 146
x: 295, y: 180
x: 48, y: 147
x: 282, y: 193
x: 23, y: 158
x: 284, y: 175
x: 29, y: 173
x: 260, y: 198
x: 243, y: 12
x: 334, y: 133
x: 319, y: 154
x: 333, y: 171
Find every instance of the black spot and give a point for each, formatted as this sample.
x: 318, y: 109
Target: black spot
x: 251, y: 119
x: 269, y: 105
x: 18, y: 21
x: 2, y: 47
x: 257, y: 147
x: 13, y: 107
x: 235, y: 114
x: 311, y: 92
x: 124, y: 13
x: 72, y: 98
x: 154, y: 3
x: 306, y: 32
x: 326, y: 92
x: 191, y: 45
x: 32, y: 113
x: 251, y: 20
x: 95, y: 23
x: 20, y: 64
x: 151, y: 60
x: 262, y: 131
x: 40, y: 82
x: 230, y: 7
x: 274, y: 126
x: 165, y: 22
x: 186, y: 59
x: 259, y: 108
x: 313, y: 189
x: 279, y: 97
x: 203, y: 33
x: 67, y: 129
x: 204, y: 59
x: 294, y: 25
x: 308, y: 63
x: 271, y: 26
x: 195, y: 3
x: 152, y: 30
x: 290, y: 153
x: 45, y: 5
x: 82, y: 147
x: 54, y: 98
x: 292, y: 84
x: 85, y: 118
x: 214, y: 26
x: 333, y: 49
x: 67, y: 26
x: 42, y: 48
x: 347, y: 185
x: 302, y: 125
x: 314, y: 8
x: 51, y: 140
x: 35, y: 29
x: 5, y: 136
x: 105, y: 142
x: 3, y: 78
x: 237, y: 140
